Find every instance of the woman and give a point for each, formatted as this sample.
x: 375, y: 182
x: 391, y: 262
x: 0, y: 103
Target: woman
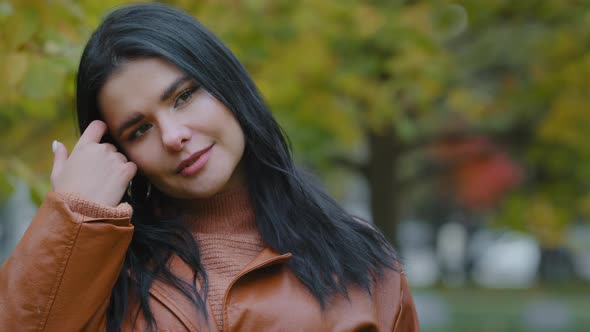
x: 222, y: 231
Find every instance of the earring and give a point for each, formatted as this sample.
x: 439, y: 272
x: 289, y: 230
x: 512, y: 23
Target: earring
x: 129, y: 188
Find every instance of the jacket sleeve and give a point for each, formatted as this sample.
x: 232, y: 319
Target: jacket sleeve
x: 407, y: 317
x: 61, y: 273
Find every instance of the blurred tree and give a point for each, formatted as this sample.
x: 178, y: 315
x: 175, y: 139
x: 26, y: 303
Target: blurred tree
x: 40, y: 45
x: 370, y: 86
x: 530, y: 59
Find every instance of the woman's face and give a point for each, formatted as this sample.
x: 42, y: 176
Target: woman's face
x: 187, y: 143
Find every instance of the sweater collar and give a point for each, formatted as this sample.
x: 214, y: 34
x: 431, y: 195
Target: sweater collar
x: 230, y: 212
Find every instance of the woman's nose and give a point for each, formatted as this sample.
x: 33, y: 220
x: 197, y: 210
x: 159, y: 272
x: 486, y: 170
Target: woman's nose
x: 174, y: 135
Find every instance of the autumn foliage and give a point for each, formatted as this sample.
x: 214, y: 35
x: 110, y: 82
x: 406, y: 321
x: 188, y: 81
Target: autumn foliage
x: 367, y: 87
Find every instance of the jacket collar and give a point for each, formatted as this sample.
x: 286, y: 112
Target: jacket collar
x: 267, y: 257
x: 184, y: 310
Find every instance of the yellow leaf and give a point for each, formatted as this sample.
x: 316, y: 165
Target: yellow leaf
x: 14, y: 68
x: 19, y: 27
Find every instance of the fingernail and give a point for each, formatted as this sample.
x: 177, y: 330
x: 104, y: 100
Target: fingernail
x: 54, y: 146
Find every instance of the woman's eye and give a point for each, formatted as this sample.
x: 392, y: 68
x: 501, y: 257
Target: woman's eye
x: 184, y: 96
x: 140, y: 131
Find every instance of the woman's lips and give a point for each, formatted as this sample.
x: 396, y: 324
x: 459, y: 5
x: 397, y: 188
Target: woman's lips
x: 194, y: 163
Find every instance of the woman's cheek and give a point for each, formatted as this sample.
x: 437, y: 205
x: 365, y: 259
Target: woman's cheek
x: 141, y: 160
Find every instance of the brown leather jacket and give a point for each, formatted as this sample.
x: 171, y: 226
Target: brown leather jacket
x: 60, y: 276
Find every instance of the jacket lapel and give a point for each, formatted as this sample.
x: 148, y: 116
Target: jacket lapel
x: 179, y: 304
x: 183, y: 308
x: 265, y: 258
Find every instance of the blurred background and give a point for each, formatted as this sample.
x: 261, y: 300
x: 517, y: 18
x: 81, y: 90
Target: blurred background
x: 457, y: 127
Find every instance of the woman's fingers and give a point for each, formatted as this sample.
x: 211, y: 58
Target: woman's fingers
x: 110, y: 147
x: 94, y: 170
x: 121, y: 157
x: 60, y: 153
x: 131, y: 170
x: 93, y: 133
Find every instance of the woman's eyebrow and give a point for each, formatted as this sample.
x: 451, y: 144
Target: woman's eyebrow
x: 172, y: 87
x: 136, y: 118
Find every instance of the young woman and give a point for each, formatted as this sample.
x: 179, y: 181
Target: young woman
x: 180, y: 208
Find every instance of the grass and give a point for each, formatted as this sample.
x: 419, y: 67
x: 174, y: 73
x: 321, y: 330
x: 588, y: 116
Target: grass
x: 556, y: 308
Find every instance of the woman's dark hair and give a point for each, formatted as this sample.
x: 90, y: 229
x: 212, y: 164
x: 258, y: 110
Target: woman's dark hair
x: 331, y: 249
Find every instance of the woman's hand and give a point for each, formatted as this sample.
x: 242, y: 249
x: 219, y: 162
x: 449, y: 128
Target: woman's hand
x: 95, y: 171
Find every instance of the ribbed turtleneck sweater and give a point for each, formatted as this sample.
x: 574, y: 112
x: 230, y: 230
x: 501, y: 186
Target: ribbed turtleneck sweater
x: 228, y: 238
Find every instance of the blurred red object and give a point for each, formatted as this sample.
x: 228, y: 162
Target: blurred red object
x: 479, y: 172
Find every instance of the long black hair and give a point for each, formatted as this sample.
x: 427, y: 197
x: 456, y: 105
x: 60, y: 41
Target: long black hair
x: 331, y: 249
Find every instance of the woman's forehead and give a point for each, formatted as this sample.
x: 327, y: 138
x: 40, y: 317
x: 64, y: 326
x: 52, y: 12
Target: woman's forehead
x: 137, y: 87
x: 140, y: 80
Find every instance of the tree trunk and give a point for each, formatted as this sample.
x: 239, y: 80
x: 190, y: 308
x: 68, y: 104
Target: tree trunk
x: 381, y: 176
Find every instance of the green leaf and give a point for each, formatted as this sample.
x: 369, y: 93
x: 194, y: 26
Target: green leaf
x: 45, y: 79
